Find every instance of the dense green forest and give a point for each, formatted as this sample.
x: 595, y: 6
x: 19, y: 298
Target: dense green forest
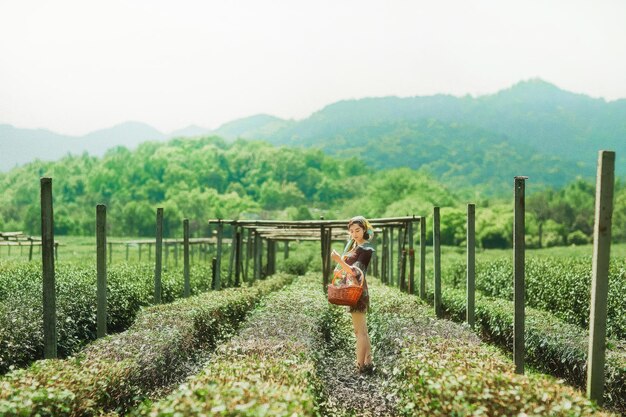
x: 211, y: 178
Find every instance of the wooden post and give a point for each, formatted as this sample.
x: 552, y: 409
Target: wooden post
x: 518, y: 273
x: 110, y: 253
x: 139, y: 246
x: 423, y: 258
x: 101, y: 265
x: 231, y: 261
x: 390, y: 265
x: 257, y: 255
x: 323, y: 250
x: 30, y: 251
x: 411, y: 260
x: 218, y: 265
x: 271, y: 257
x: 149, y: 252
x: 127, y: 249
x: 437, y: 261
x: 600, y: 275
x: 249, y: 254
x: 471, y: 264
x: 176, y: 245
x: 286, y: 253
x: 238, y: 245
x: 385, y: 257
x: 187, y: 285
x: 329, y: 242
x: 158, y: 256
x: 47, y: 258
x: 214, y: 273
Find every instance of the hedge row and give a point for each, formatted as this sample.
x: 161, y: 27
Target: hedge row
x: 561, y: 286
x: 441, y: 370
x: 552, y: 346
x: 118, y: 371
x: 129, y: 288
x: 266, y: 370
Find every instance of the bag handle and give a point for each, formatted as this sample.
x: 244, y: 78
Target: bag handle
x: 335, y: 277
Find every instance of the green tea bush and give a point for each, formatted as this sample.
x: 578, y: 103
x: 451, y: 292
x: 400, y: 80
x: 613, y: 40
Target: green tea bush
x: 129, y: 287
x: 297, y: 264
x: 266, y: 370
x: 439, y: 369
x: 118, y: 371
x: 552, y: 346
x: 560, y: 286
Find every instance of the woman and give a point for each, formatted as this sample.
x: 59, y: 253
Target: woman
x: 358, y: 253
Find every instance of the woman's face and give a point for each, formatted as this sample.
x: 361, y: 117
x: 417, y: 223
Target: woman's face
x: 356, y: 232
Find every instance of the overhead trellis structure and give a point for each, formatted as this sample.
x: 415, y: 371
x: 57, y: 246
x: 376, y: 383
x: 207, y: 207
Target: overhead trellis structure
x: 393, y: 242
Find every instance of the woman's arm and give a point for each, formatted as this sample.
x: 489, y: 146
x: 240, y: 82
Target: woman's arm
x: 337, y: 258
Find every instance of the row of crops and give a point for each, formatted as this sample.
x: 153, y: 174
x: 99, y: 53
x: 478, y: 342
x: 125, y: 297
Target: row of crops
x: 557, y: 314
x: 278, y: 348
x: 561, y: 286
x: 129, y: 288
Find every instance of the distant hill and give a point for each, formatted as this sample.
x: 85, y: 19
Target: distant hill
x: 260, y: 126
x: 19, y: 146
x: 533, y: 128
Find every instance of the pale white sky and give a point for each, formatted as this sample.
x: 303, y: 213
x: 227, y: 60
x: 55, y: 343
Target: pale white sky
x: 78, y: 66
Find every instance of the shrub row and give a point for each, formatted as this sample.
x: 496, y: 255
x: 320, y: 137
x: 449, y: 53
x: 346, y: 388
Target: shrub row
x: 266, y: 370
x: 552, y: 346
x: 116, y: 372
x: 441, y: 370
x: 558, y: 285
x: 129, y: 288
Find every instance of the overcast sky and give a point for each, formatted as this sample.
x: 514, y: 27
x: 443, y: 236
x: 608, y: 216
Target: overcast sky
x: 78, y: 66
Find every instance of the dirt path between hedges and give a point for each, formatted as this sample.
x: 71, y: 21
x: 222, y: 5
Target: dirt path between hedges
x: 350, y: 393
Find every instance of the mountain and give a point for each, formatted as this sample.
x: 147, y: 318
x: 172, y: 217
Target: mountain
x: 19, y: 146
x: 260, y: 126
x: 532, y: 128
x: 559, y: 132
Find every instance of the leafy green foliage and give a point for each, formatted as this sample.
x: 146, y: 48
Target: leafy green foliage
x: 558, y: 285
x: 552, y: 346
x: 118, y: 371
x: 266, y: 370
x: 129, y: 288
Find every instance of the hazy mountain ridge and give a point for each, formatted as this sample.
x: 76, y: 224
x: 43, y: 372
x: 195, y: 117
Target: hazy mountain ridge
x: 19, y: 146
x: 532, y: 128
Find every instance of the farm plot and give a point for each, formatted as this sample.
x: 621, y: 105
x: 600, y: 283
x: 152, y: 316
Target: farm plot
x: 558, y: 285
x: 268, y: 369
x: 130, y: 287
x: 432, y: 367
x: 160, y: 349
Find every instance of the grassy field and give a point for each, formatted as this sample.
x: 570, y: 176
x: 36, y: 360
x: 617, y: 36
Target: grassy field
x: 83, y: 249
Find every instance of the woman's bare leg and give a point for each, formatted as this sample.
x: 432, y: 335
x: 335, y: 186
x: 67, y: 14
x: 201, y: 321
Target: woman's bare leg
x: 363, y: 344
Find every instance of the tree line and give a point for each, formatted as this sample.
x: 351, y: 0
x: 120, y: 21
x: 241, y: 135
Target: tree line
x: 211, y: 178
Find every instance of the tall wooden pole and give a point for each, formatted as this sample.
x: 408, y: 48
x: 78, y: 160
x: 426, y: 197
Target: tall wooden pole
x: 437, y: 261
x: 47, y: 258
x: 238, y: 254
x: 187, y: 287
x: 471, y: 264
x: 101, y: 265
x: 423, y: 258
x: 600, y: 278
x: 218, y: 264
x: 519, y: 273
x: 411, y: 260
x: 158, y: 256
